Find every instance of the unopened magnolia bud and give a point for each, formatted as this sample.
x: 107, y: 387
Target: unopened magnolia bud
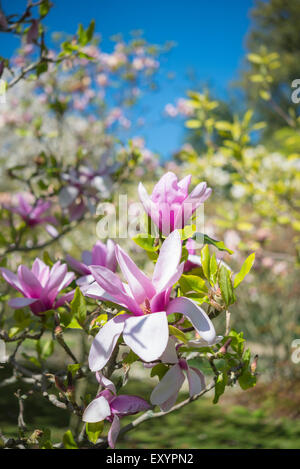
x: 224, y: 347
x: 254, y: 364
x: 58, y: 331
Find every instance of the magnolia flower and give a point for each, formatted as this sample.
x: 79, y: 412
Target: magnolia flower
x: 170, y: 205
x: 32, y: 213
x: 39, y: 286
x: 84, y: 188
x: 107, y: 405
x: 166, y: 392
x: 101, y: 254
x: 145, y: 330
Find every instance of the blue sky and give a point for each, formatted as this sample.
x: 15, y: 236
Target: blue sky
x: 209, y: 36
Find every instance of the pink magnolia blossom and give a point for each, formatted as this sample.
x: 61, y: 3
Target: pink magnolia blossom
x: 101, y: 254
x: 32, y: 213
x: 39, y: 286
x: 170, y: 206
x: 145, y: 330
x: 84, y: 188
x: 166, y: 392
x: 108, y: 406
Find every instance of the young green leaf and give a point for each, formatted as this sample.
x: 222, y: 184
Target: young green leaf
x: 94, y: 430
x: 246, y: 267
x: 226, y: 286
x: 78, y: 306
x: 205, y: 261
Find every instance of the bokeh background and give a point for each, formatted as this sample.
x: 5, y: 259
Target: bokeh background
x: 215, y: 100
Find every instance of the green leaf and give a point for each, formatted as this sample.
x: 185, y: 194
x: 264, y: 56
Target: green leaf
x: 223, y: 126
x: 159, y: 370
x: 41, y: 68
x: 47, y: 259
x: 45, y: 439
x: 68, y: 440
x: 193, y: 283
x: 130, y: 358
x: 246, y: 267
x: 47, y: 349
x: 178, y: 334
x: 220, y: 386
x: 266, y: 95
x: 255, y: 58
x: 90, y: 31
x: 193, y: 124
x: 94, y: 430
x: 218, y: 244
x: 78, y: 307
x: 238, y: 341
x: 205, y: 261
x: 73, y: 368
x: 226, y: 286
x: 247, y: 380
x: 45, y: 7
x: 213, y: 269
x: 187, y: 232
x: 146, y: 242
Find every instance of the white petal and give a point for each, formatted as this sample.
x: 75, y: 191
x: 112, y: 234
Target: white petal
x: 168, y: 261
x: 196, y: 315
x: 114, y: 432
x: 170, y: 354
x: 147, y: 335
x: 105, y: 341
x: 196, y: 381
x: 168, y: 386
x: 97, y: 410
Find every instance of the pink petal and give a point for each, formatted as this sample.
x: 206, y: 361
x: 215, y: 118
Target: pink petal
x: 168, y: 387
x: 105, y: 341
x: 149, y: 207
x: 67, y: 297
x: 105, y: 382
x: 196, y: 315
x: 41, y: 271
x: 12, y: 279
x: 29, y: 282
x: 126, y: 404
x: 69, y: 277
x: 21, y: 302
x: 167, y: 263
x: 191, y: 203
x: 184, y: 183
x: 97, y: 410
x: 169, y: 355
x: 114, y: 432
x: 196, y: 380
x: 87, y: 257
x: 111, y: 260
x: 99, y: 254
x: 77, y: 265
x: 95, y: 291
x: 111, y: 283
x: 147, y: 335
x: 140, y: 286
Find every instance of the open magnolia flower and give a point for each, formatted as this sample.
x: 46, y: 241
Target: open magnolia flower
x: 108, y: 406
x: 171, y: 206
x: 39, y: 286
x: 145, y: 330
x: 33, y: 213
x: 166, y: 392
x: 101, y: 254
